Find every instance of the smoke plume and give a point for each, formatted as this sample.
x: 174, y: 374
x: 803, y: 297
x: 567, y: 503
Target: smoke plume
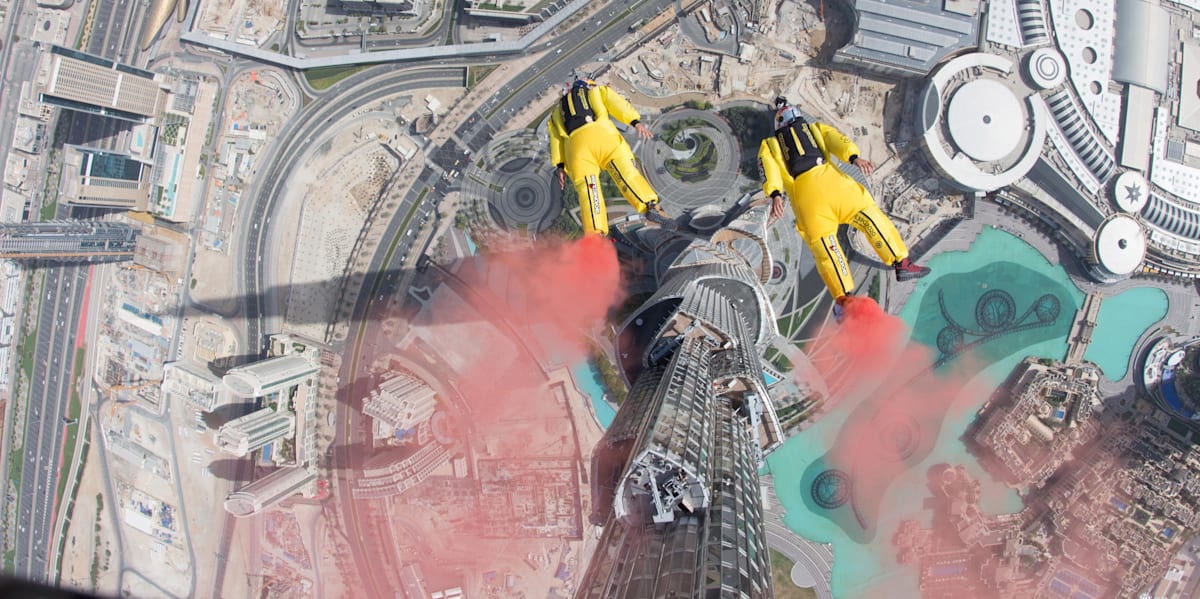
x: 494, y: 335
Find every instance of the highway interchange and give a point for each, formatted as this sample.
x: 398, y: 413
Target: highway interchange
x: 263, y: 305
x: 114, y: 36
x: 60, y: 299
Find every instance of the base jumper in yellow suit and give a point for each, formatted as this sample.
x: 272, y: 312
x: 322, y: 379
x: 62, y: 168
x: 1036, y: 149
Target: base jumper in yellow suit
x: 796, y: 161
x: 583, y: 140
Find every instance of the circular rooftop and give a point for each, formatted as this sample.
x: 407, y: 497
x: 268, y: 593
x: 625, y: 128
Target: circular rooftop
x: 986, y: 120
x: 1131, y: 192
x: 1120, y: 244
x: 242, y: 384
x: 1046, y: 68
x: 241, y: 505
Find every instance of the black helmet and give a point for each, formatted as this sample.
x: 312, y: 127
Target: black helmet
x: 780, y: 102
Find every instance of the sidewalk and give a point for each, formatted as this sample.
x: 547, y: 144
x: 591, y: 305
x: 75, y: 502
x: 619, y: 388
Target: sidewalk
x: 93, y: 303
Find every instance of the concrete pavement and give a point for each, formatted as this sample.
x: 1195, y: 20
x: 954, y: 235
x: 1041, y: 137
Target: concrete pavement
x: 815, y: 558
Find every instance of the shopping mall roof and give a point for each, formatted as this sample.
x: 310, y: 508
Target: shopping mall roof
x: 1189, y: 87
x: 1120, y: 244
x: 986, y: 119
x: 1141, y: 48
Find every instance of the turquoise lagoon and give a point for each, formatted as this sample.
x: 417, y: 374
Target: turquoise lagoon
x: 1001, y: 310
x: 588, y: 380
x: 1122, y: 319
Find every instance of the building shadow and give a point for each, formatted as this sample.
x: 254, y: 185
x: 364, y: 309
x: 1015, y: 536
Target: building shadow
x: 239, y: 470
x: 227, y: 412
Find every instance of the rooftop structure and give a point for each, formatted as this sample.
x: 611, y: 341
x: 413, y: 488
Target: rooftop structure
x: 254, y: 430
x: 676, y: 474
x: 270, y: 490
x: 1118, y: 248
x: 1143, y: 34
x: 503, y: 10
x: 271, y: 375
x: 387, y: 7
x: 1046, y: 413
x: 985, y: 119
x: 1189, y: 84
x: 385, y: 476
x: 402, y: 402
x: 1131, y: 192
x: 907, y: 38
x: 108, y: 179
x: 86, y: 83
x: 160, y: 253
x: 985, y: 133
x: 1046, y: 68
x: 195, y: 384
x: 68, y: 241
x: 29, y: 135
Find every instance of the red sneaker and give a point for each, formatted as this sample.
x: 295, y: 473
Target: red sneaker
x: 839, y: 308
x: 907, y: 270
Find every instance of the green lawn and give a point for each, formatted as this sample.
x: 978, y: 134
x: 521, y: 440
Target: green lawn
x: 73, y: 410
x: 781, y: 577
x: 325, y: 77
x: 476, y: 74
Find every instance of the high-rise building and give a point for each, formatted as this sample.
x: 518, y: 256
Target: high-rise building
x: 271, y: 375
x: 675, y: 478
x: 194, y: 384
x: 254, y: 430
x: 108, y: 179
x: 401, y: 402
x: 86, y: 83
x: 270, y: 490
x: 68, y: 241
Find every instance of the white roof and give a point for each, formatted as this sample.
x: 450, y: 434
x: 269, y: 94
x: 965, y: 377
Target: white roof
x: 957, y: 166
x: 1189, y: 83
x: 1047, y: 68
x: 1120, y: 244
x: 986, y: 120
x: 1131, y: 192
x: 1139, y: 128
x: 1142, y: 44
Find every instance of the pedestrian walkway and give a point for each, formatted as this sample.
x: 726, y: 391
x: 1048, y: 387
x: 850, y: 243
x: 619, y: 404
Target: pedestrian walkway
x: 816, y: 559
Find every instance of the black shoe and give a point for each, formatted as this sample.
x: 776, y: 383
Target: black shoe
x: 907, y: 270
x: 655, y: 214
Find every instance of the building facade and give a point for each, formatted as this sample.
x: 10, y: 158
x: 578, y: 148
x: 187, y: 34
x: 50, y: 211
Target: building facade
x: 675, y: 478
x: 107, y: 179
x: 271, y: 375
x: 254, y: 430
x: 87, y: 83
x: 68, y: 241
x: 401, y: 402
x: 270, y: 490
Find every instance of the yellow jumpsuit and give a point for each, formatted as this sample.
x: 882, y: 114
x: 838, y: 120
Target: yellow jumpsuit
x: 595, y: 145
x: 824, y: 197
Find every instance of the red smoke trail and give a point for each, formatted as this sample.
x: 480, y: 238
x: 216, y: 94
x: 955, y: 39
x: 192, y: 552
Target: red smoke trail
x: 489, y: 331
x: 526, y: 306
x: 896, y: 405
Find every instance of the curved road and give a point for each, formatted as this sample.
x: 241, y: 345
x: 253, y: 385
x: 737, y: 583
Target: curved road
x: 262, y: 301
x: 262, y: 305
x: 256, y: 292
x: 817, y: 558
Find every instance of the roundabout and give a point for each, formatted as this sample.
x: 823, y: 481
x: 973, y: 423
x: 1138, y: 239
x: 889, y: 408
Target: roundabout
x: 514, y: 178
x: 692, y: 160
